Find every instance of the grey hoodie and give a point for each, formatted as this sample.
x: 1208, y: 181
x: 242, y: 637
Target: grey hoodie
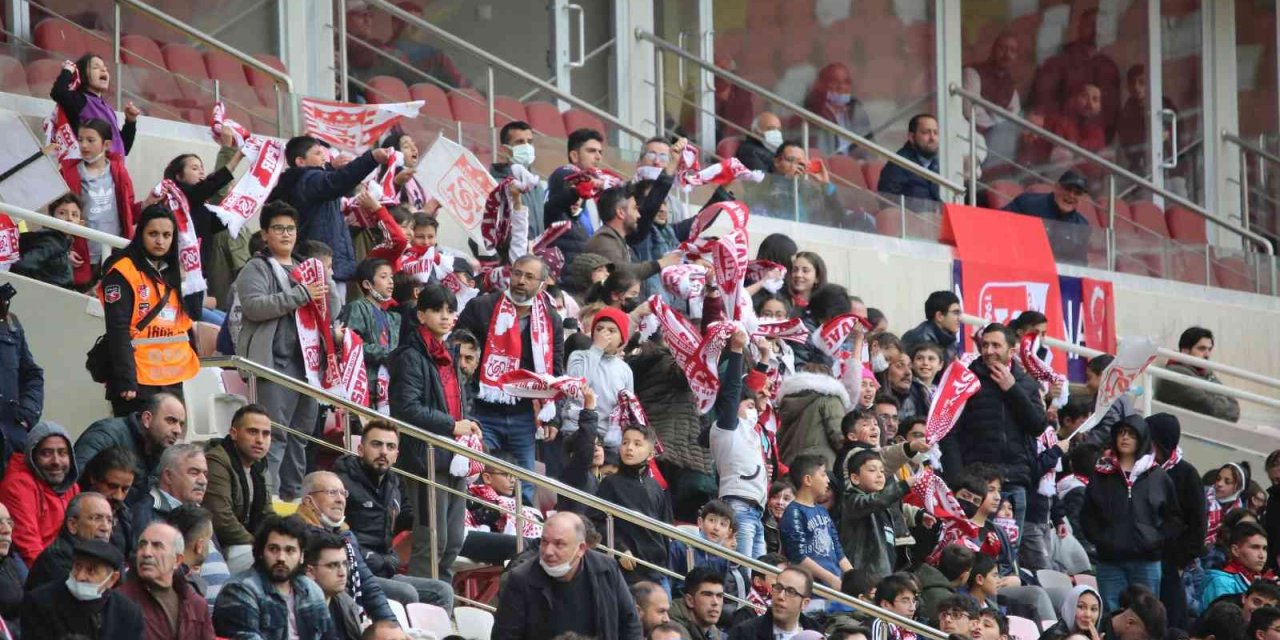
x: 38, y: 433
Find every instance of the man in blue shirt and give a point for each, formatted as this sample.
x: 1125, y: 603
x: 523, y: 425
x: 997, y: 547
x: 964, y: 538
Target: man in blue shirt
x: 1070, y: 243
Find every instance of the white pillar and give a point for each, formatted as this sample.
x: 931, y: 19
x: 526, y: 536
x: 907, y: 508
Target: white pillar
x: 633, y: 68
x: 1221, y: 113
x: 950, y: 113
x: 308, y: 47
x: 1155, y: 93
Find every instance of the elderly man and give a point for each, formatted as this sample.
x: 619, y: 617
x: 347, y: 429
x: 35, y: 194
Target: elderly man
x: 88, y: 518
x: 37, y: 487
x: 146, y: 434
x: 182, y: 477
x: 273, y: 601
x: 237, y: 491
x: 569, y: 588
x: 756, y: 151
x: 1070, y: 243
x: 171, y: 609
x: 323, y: 507
x: 84, y: 606
x: 13, y: 573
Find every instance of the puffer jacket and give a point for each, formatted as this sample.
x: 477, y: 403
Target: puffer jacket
x: 996, y: 428
x: 810, y: 409
x: 372, y: 511
x: 664, y: 392
x: 1131, y: 519
x: 37, y: 508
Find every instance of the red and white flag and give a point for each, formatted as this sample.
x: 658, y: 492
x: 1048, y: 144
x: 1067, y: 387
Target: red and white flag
x: 1040, y: 369
x: 354, y: 127
x: 958, y: 384
x: 934, y: 496
x: 1132, y: 358
x: 455, y: 178
x: 246, y: 198
x: 522, y: 383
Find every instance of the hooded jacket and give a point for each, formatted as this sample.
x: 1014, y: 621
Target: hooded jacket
x: 997, y: 428
x: 373, y: 508
x: 1130, y: 516
x: 316, y: 193
x: 810, y: 409
x: 1188, y: 544
x: 663, y: 390
x: 37, y: 508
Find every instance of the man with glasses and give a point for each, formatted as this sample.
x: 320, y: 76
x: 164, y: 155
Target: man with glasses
x: 626, y: 222
x: 956, y: 615
x: 88, y: 518
x: 269, y: 335
x: 785, y: 617
x: 326, y: 562
x: 795, y: 189
x: 698, y: 612
x: 373, y: 508
x: 323, y: 508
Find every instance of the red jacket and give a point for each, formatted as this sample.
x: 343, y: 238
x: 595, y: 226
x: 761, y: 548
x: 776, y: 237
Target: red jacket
x: 36, y: 508
x: 194, y: 620
x: 126, y: 206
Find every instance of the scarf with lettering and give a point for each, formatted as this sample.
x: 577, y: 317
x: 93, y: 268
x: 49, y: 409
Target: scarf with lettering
x: 530, y: 521
x: 188, y: 242
x: 504, y: 343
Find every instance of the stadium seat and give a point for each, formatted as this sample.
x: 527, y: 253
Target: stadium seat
x: 469, y: 107
x: 145, y: 73
x: 437, y: 104
x: 1233, y: 273
x: 1085, y: 579
x: 473, y: 622
x: 871, y: 170
x: 13, y: 78
x: 506, y: 109
x: 575, y: 119
x: 402, y: 617
x: 1002, y: 192
x: 1089, y: 210
x: 1023, y: 629
x: 1039, y: 187
x: 263, y: 83
x: 847, y: 169
x: 429, y: 618
x: 728, y: 147
x: 59, y: 37
x: 99, y: 43
x: 1148, y: 215
x: 41, y: 74
x: 187, y: 62
x: 384, y: 89
x: 1050, y: 579
x: 233, y: 82
x: 1185, y: 226
x: 546, y: 119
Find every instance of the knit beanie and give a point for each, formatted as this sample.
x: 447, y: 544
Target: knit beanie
x: 617, y: 317
x: 581, y: 268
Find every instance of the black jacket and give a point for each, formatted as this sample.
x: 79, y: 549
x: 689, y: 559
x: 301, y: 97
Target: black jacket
x: 1166, y: 434
x: 524, y: 607
x: 560, y: 199
x: 417, y: 396
x: 475, y: 318
x: 1131, y: 523
x: 54, y: 564
x: 761, y: 627
x: 996, y: 428
x: 51, y: 613
x: 896, y: 181
x: 927, y: 331
x: 21, y: 387
x: 632, y: 488
x: 46, y: 256
x: 373, y: 509
x: 13, y: 576
x: 207, y: 223
x: 579, y: 451
x: 754, y: 155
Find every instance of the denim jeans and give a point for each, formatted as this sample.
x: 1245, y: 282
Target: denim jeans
x: 1113, y: 577
x: 749, y: 520
x: 512, y: 431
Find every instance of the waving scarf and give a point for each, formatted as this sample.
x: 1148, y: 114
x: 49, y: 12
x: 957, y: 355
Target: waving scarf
x: 1038, y: 368
x: 831, y: 336
x: 686, y: 282
x: 728, y: 254
x: 791, y: 329
x: 1048, y: 482
x: 522, y: 383
x: 759, y: 270
x: 583, y: 181
x: 530, y: 520
x: 188, y: 243
x: 504, y: 343
x: 495, y: 227
x: 698, y: 356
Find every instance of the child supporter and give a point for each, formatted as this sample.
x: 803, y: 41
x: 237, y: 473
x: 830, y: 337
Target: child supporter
x: 51, y: 256
x: 867, y: 519
x: 603, y: 367
x: 896, y: 593
x: 781, y: 493
x: 983, y: 585
x: 715, y: 522
x: 498, y: 487
x: 101, y: 180
x: 809, y: 537
x: 370, y: 316
x: 85, y: 102
x: 1224, y: 494
x: 633, y: 488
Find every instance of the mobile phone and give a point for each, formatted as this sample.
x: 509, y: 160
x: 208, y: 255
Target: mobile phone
x: 815, y: 166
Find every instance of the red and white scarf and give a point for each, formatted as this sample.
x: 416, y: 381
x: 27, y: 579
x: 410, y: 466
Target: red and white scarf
x: 463, y: 467
x: 958, y: 384
x: 767, y: 429
x: 57, y: 127
x: 530, y: 523
x: 504, y: 343
x: 791, y: 330
x: 1039, y: 369
x: 690, y: 174
x: 831, y: 336
x: 188, y: 242
x: 686, y: 282
x: 245, y: 199
x: 583, y: 181
x: 522, y: 383
x: 761, y: 270
x: 244, y: 139
x: 1048, y: 482
x: 9, y: 252
x: 496, y: 228
x: 628, y: 411
x: 424, y: 262
x: 1109, y: 464
x: 728, y: 254
x: 319, y: 350
x: 1214, y: 510
x: 697, y: 355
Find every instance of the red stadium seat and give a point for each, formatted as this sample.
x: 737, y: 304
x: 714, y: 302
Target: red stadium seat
x: 546, y: 119
x: 1233, y: 273
x: 60, y: 37
x: 469, y: 106
x: 871, y: 170
x: 1185, y: 226
x: 41, y: 74
x: 13, y: 78
x: 1002, y: 192
x: 437, y: 104
x: 1087, y: 209
x: 1040, y: 187
x: 383, y: 89
x: 728, y: 148
x: 575, y: 119
x: 188, y: 63
x: 847, y: 169
x: 1149, y: 216
x: 506, y: 109
x: 99, y: 44
x: 225, y: 69
x: 263, y: 83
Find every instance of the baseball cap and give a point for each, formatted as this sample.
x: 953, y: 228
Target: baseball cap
x: 1072, y: 180
x: 99, y: 550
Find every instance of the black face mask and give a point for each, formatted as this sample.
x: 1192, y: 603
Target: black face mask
x: 630, y: 304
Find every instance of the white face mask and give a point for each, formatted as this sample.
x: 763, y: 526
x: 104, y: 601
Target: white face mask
x: 86, y: 591
x: 556, y: 571
x: 648, y: 173
x: 751, y: 418
x: 523, y: 154
x: 879, y: 362
x: 773, y: 139
x: 332, y: 524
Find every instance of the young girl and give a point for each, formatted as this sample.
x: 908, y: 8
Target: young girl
x: 84, y: 102
x: 187, y: 171
x: 1224, y: 495
x: 52, y: 256
x: 372, y: 319
x: 101, y: 180
x: 808, y: 272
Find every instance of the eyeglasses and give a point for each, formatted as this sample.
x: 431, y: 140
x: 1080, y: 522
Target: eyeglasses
x: 780, y: 589
x: 954, y: 615
x: 332, y: 566
x: 332, y: 493
x: 650, y: 156
x: 281, y: 229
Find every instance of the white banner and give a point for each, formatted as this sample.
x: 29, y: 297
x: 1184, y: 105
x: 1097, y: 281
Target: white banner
x: 1132, y: 358
x: 354, y: 127
x: 458, y: 181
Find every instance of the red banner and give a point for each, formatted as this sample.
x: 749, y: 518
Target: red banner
x: 1007, y: 267
x: 1098, y: 304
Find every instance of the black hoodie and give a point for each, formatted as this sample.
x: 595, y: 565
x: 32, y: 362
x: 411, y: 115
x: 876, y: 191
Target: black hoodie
x: 1130, y: 516
x: 1166, y: 432
x: 633, y: 488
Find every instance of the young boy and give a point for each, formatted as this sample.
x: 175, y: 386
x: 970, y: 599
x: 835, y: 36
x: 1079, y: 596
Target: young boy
x: 991, y: 625
x: 867, y: 521
x: 419, y: 258
x: 715, y: 522
x: 781, y: 493
x: 633, y: 488
x: 984, y: 581
x: 51, y: 256
x: 809, y: 537
x: 371, y: 318
x: 926, y: 362
x: 605, y: 370
x: 498, y: 487
x: 897, y: 593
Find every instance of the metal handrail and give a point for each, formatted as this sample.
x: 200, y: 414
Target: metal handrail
x: 612, y: 511
x: 495, y: 61
x: 1153, y: 370
x: 807, y: 115
x: 208, y: 40
x: 1112, y: 167
x: 50, y: 222
x: 1250, y: 147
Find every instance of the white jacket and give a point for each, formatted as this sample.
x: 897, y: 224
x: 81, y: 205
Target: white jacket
x: 607, y: 375
x: 739, y: 458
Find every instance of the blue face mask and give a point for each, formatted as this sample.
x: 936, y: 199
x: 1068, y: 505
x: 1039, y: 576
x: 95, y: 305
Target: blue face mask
x: 839, y: 99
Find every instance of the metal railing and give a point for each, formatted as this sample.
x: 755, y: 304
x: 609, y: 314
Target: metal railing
x: 1246, y: 149
x: 1115, y: 169
x: 808, y: 118
x: 612, y: 512
x: 1157, y: 372
x: 284, y: 111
